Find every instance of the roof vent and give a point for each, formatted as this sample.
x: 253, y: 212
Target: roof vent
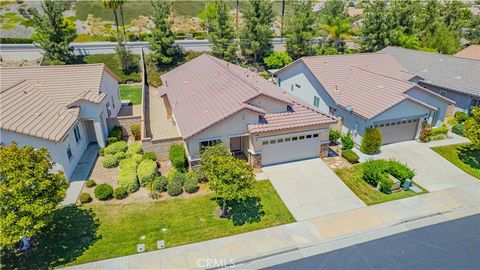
x: 336, y: 86
x: 349, y: 108
x: 325, y: 62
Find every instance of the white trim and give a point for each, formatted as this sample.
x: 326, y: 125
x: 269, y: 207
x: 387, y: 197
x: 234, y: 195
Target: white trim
x: 274, y: 137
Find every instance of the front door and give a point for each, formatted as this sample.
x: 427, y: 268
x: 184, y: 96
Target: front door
x: 90, y: 131
x: 235, y: 144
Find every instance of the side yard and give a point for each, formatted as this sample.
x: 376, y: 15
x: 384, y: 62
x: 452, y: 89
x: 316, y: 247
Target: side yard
x: 464, y: 156
x: 132, y: 92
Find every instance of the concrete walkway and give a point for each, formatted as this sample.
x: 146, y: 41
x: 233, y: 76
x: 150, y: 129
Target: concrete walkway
x: 81, y: 174
x: 452, y: 139
x: 309, y: 189
x: 308, y: 237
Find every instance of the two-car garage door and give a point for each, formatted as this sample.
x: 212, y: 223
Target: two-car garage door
x: 398, y: 131
x: 286, y: 148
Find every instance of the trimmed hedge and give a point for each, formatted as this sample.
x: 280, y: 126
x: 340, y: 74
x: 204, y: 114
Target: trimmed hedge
x: 135, y: 129
x: 334, y: 135
x: 458, y: 129
x: 194, y: 176
x: 146, y: 171
x: 120, y: 193
x: 150, y: 155
x: 176, y: 154
x: 134, y: 148
x: 119, y: 156
x: 190, y: 185
x: 347, y: 141
x: 375, y: 171
x: 174, y: 188
x: 110, y: 161
x: 111, y: 140
x: 439, y: 133
x: 460, y: 117
x: 116, y: 147
x: 137, y: 158
x: 101, y: 152
x: 371, y: 141
x: 85, y: 198
x: 116, y: 132
x: 127, y: 177
x: 160, y: 183
x: 90, y: 183
x: 103, y: 192
x: 15, y: 40
x: 399, y: 170
x: 350, y: 156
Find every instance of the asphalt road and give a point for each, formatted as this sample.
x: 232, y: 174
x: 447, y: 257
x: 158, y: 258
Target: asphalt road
x: 449, y: 245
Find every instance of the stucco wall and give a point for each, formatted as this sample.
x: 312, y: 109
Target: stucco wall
x: 433, y: 100
x: 462, y: 101
x: 109, y: 86
x: 309, y: 86
x: 269, y: 104
x: 160, y: 147
x: 234, y: 125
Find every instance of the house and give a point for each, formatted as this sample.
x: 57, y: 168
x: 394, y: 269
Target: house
x: 365, y: 90
x: 61, y: 108
x: 212, y: 101
x: 471, y: 52
x: 454, y: 77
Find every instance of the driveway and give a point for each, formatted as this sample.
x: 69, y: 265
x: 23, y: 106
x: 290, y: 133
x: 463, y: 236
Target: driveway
x: 433, y: 172
x: 310, y: 189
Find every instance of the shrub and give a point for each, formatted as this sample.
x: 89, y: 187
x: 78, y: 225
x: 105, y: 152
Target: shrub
x: 117, y: 132
x: 85, y: 198
x: 134, y: 148
x: 103, y: 192
x: 347, y: 141
x: 119, y: 156
x: 374, y: 170
x: 150, y: 155
x: 160, y: 183
x: 371, y: 141
x: 146, y: 171
x: 399, y: 170
x: 90, y: 183
x: 425, y: 132
x: 111, y: 140
x: 458, y: 129
x: 177, y: 156
x: 110, y: 161
x: 277, y: 59
x: 190, y: 185
x: 179, y: 177
x: 439, y: 131
x: 120, y: 193
x: 116, y: 147
x: 384, y: 184
x: 135, y: 129
x: 350, y: 156
x: 334, y: 135
x: 127, y: 177
x: 101, y: 152
x: 174, y: 188
x: 194, y: 175
x: 461, y: 117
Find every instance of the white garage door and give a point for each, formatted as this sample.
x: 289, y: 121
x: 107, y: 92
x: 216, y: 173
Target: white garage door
x: 398, y: 131
x: 286, y: 148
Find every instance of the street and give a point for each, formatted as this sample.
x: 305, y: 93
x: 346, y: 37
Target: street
x: 449, y: 245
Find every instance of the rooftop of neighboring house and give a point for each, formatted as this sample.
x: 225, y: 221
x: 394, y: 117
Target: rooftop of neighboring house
x: 370, y: 83
x: 40, y: 101
x: 206, y: 90
x: 446, y: 71
x: 470, y: 52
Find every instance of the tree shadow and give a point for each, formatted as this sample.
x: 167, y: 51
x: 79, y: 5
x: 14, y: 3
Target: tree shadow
x: 71, y: 231
x: 249, y: 210
x: 470, y: 156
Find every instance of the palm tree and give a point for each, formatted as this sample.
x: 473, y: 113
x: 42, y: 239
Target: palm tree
x: 113, y: 5
x: 120, y: 4
x: 339, y: 30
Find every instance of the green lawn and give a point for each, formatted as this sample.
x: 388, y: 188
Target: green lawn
x: 95, y: 232
x: 367, y: 193
x: 131, y: 92
x: 113, y: 64
x: 464, y: 156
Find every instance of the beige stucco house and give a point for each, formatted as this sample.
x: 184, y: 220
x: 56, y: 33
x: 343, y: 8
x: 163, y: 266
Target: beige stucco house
x: 211, y: 101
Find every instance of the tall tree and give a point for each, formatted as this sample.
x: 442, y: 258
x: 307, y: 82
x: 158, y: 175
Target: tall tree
x: 255, y: 35
x: 208, y: 15
x: 444, y: 40
x: 300, y: 30
x: 222, y: 36
x: 338, y: 30
x: 332, y: 9
x: 120, y: 5
x: 53, y: 33
x: 113, y: 5
x: 29, y: 192
x: 376, y: 26
x: 162, y: 40
x: 472, y: 127
x: 473, y: 31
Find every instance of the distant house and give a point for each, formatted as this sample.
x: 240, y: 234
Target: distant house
x: 365, y: 90
x: 61, y: 108
x: 454, y: 77
x: 211, y: 101
x: 471, y: 52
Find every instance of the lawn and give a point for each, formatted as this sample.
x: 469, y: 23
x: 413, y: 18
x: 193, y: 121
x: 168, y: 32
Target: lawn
x: 352, y: 177
x: 113, y: 64
x: 464, y: 156
x: 95, y: 232
x: 131, y: 92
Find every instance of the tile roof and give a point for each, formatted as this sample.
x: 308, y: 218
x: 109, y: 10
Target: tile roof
x: 471, y: 52
x: 40, y: 101
x: 207, y: 90
x: 450, y: 72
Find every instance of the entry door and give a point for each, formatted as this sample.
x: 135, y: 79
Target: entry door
x: 91, y: 131
x: 235, y: 144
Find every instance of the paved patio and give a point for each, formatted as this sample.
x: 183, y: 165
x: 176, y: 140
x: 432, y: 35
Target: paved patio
x: 310, y: 189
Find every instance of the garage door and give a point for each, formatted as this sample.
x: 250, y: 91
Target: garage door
x: 398, y: 131
x: 286, y: 148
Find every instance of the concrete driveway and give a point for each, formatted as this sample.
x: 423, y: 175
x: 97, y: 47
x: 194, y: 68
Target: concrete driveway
x: 433, y: 172
x: 310, y: 189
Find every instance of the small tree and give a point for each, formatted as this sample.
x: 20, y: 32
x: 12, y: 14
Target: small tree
x: 208, y: 153
x: 53, y: 32
x: 371, y: 141
x: 29, y: 192
x: 425, y: 132
x: 300, y: 29
x: 472, y: 127
x: 333, y: 136
x: 222, y: 35
x: 277, y: 60
x: 176, y: 154
x: 125, y: 58
x: 231, y: 179
x: 347, y: 141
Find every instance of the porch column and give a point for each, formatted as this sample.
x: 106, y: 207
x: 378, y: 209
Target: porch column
x: 99, y: 133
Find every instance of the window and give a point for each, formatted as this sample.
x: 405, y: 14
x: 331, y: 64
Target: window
x: 301, y: 137
x: 287, y: 139
x: 279, y: 140
x: 113, y: 102
x: 264, y: 142
x: 294, y: 138
x: 309, y: 136
x: 69, y: 152
x: 273, y: 141
x: 316, y: 101
x: 289, y: 108
x: 331, y: 110
x: 442, y: 93
x: 109, y: 112
x: 261, y: 119
x: 315, y: 135
x: 206, y: 144
x: 76, y: 131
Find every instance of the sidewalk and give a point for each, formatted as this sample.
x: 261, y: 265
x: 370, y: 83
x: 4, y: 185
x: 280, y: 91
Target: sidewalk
x: 309, y: 236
